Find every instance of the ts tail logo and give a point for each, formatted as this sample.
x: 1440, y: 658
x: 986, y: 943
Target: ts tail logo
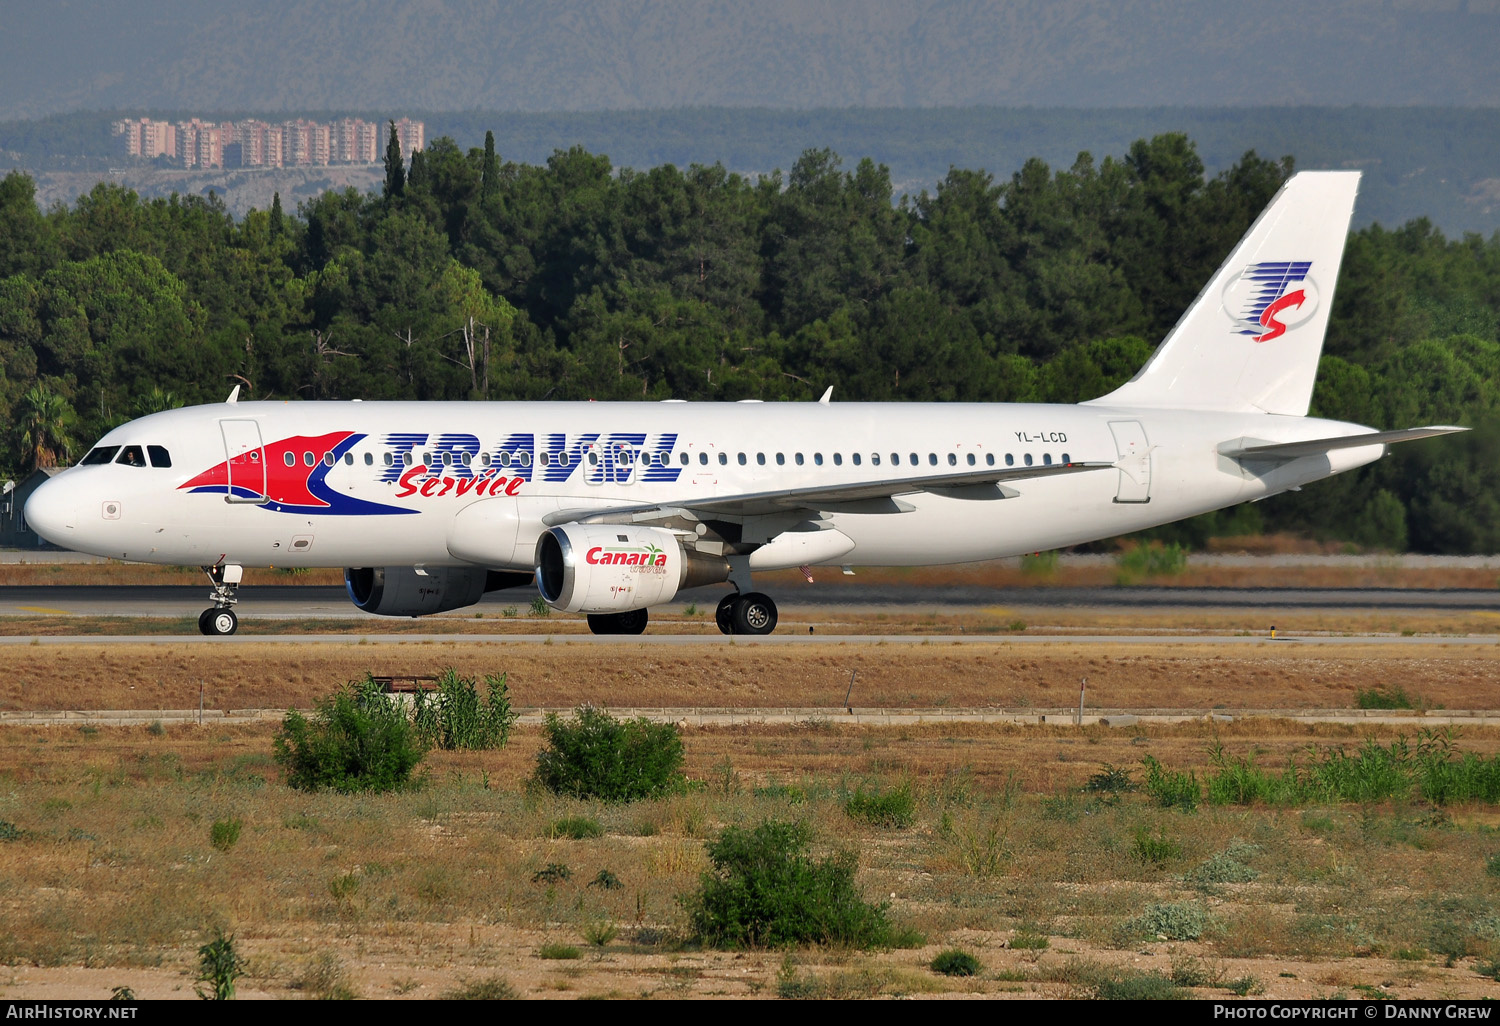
x: 1268, y: 298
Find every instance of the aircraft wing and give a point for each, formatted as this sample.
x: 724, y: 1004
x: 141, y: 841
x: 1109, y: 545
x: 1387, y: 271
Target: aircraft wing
x: 857, y: 497
x: 1244, y: 449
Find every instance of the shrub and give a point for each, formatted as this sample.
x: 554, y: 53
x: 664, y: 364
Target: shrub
x: 1155, y: 851
x: 1171, y: 790
x: 558, y: 952
x: 1127, y: 985
x: 1384, y: 698
x: 493, y: 989
x: 1173, y: 921
x: 1110, y: 780
x: 1491, y: 865
x: 896, y: 808
x: 764, y: 890
x: 1227, y: 866
x: 9, y: 831
x: 576, y: 828
x: 954, y: 962
x: 1150, y: 560
x: 219, y: 966
x: 452, y: 715
x: 1029, y: 940
x: 551, y: 873
x: 600, y: 932
x: 224, y: 833
x: 595, y: 755
x: 357, y: 740
x: 605, y: 880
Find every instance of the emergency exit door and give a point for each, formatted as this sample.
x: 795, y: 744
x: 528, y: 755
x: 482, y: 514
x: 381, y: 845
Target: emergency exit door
x: 1134, y: 462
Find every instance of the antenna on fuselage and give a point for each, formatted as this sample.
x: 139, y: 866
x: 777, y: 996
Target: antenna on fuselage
x: 234, y: 396
x: 826, y: 396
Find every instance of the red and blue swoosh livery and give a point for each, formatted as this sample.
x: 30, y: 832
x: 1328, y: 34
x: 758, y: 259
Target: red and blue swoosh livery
x: 295, y: 487
x: 1269, y: 296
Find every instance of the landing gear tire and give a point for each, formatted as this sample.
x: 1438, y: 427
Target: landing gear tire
x: 724, y: 615
x: 754, y: 614
x: 218, y: 622
x: 630, y: 622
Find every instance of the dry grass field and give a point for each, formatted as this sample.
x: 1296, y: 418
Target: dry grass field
x: 109, y: 875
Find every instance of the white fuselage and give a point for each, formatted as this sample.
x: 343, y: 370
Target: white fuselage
x: 382, y: 483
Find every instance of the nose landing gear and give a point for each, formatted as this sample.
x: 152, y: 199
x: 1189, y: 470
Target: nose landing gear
x: 220, y: 620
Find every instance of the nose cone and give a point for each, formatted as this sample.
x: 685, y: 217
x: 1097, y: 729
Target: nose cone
x: 52, y: 512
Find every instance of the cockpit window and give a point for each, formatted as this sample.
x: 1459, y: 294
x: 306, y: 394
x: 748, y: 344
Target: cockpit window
x: 132, y: 456
x: 159, y: 455
x: 102, y: 454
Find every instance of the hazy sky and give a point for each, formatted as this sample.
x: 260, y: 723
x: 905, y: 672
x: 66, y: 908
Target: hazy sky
x: 209, y: 55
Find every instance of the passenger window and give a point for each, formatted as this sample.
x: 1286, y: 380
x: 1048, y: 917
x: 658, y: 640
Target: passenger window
x: 447, y: 459
x: 468, y: 459
x: 161, y: 458
x: 799, y: 459
x: 427, y: 459
x: 932, y: 458
x: 723, y: 458
x: 291, y: 460
x: 971, y: 459
x: 1047, y: 458
x: 838, y: 459
x: 1028, y: 459
x: 406, y: 459
x: 349, y: 459
x: 703, y: 459
x: 388, y: 459
x: 683, y: 459
x: 989, y: 459
x: 760, y: 459
x: 505, y: 459
x: 875, y: 458
x: 781, y: 459
x: 484, y: 459
x: 563, y: 459
x: 1065, y: 458
x: 952, y: 459
x: 895, y: 459
x: 543, y: 458
x: 915, y: 459
x: 818, y: 458
x: 1010, y: 460
x: 742, y: 459
x: 855, y: 458
x: 525, y: 458
x: 328, y: 459
x: 593, y: 459
x: 369, y: 459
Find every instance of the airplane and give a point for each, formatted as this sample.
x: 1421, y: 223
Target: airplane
x: 611, y: 508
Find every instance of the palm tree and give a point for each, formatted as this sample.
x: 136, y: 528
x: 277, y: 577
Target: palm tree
x: 45, y: 419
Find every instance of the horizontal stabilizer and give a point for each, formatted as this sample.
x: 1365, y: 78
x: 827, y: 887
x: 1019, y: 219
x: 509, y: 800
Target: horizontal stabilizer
x: 1238, y: 450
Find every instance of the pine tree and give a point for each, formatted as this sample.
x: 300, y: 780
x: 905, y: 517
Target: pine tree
x: 395, y: 167
x: 491, y: 169
x: 275, y: 215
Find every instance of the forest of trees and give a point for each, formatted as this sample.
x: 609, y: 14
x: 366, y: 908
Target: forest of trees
x: 472, y: 278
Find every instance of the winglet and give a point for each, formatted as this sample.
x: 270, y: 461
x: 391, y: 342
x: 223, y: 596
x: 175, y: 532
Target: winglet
x: 827, y: 396
x: 234, y: 396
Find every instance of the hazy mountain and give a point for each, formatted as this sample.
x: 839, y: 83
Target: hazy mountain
x: 628, y: 54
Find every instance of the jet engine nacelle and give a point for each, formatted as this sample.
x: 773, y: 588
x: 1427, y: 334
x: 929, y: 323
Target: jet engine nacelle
x: 602, y: 568
x: 404, y: 591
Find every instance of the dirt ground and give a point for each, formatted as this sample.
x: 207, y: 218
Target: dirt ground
x: 162, y: 675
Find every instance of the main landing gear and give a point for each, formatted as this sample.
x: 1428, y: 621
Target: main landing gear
x: 750, y: 613
x: 220, y: 619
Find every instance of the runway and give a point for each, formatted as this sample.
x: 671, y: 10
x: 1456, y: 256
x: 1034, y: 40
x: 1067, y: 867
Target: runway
x: 317, y: 602
x: 1263, y: 642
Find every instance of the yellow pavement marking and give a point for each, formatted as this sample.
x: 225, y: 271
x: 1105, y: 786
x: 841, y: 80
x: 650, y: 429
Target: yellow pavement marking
x: 44, y: 609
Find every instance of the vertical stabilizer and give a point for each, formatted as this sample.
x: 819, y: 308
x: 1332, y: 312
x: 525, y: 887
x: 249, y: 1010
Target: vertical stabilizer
x: 1252, y: 338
